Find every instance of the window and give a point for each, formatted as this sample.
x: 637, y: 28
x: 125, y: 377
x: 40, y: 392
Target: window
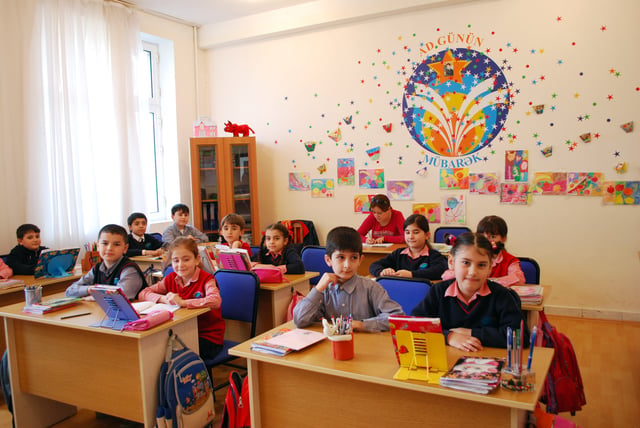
x: 151, y: 131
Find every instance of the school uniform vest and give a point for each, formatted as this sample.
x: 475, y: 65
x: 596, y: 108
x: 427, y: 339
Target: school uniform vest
x: 113, y: 277
x: 502, y: 268
x: 210, y: 324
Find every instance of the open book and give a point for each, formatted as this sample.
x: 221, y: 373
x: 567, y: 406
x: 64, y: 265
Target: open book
x: 144, y: 307
x: 232, y: 258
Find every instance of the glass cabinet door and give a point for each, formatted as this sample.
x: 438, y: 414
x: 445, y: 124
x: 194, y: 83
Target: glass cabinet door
x: 241, y: 185
x: 209, y: 187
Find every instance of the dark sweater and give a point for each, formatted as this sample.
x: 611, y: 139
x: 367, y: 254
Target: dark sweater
x: 487, y: 316
x: 290, y: 258
x: 148, y: 243
x: 424, y: 267
x: 22, y: 260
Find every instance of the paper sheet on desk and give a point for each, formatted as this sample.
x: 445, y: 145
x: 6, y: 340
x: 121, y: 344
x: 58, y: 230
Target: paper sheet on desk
x: 384, y: 245
x: 144, y: 308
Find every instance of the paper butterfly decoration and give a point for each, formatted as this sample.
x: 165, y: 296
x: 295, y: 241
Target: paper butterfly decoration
x: 547, y: 151
x: 621, y: 168
x: 387, y: 127
x: 348, y: 119
x: 310, y: 146
x: 627, y: 127
x: 336, y: 135
x: 539, y: 109
x: 586, y: 137
x: 374, y: 153
x: 322, y: 168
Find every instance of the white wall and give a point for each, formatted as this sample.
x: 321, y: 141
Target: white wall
x: 299, y: 87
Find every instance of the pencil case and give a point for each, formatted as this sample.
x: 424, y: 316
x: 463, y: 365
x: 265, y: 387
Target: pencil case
x: 151, y: 320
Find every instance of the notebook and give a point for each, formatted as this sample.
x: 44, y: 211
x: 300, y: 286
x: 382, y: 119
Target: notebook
x: 117, y: 308
x: 56, y: 263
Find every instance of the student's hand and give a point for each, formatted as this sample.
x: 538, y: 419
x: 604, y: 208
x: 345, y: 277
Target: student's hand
x: 388, y: 272
x: 173, y: 299
x: 327, y: 279
x: 237, y: 244
x: 463, y: 341
x: 378, y: 240
x: 357, y: 325
x: 404, y: 273
x: 370, y: 241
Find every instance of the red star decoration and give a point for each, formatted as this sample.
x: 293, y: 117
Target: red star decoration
x: 457, y: 64
x: 558, y: 19
x: 609, y: 97
x: 603, y: 28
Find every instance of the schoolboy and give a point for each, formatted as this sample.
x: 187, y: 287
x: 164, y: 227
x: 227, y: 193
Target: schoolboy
x: 114, y: 269
x: 23, y: 258
x: 231, y: 229
x: 140, y: 242
x: 343, y: 292
x: 180, y: 217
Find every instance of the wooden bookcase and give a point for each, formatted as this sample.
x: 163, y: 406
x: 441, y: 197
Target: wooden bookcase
x: 224, y: 180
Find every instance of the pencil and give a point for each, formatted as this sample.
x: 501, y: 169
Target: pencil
x: 75, y: 315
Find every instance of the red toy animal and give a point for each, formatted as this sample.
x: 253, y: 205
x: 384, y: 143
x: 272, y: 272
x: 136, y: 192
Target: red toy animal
x: 237, y: 129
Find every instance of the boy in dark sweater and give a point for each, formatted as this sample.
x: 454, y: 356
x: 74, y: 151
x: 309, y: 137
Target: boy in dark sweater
x: 140, y: 242
x: 23, y: 258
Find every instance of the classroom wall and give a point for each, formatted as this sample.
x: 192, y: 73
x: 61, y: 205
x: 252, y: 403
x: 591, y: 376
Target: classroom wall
x: 574, y: 57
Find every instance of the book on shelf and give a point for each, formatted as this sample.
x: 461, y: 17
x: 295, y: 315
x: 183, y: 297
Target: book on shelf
x: 284, y: 341
x: 10, y: 283
x: 474, y: 374
x: 529, y: 294
x: 51, y: 305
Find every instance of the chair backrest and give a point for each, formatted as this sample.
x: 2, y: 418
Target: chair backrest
x: 157, y: 235
x: 313, y: 260
x: 438, y: 235
x: 239, y: 292
x: 408, y: 292
x: 4, y: 257
x: 531, y: 270
x: 255, y: 251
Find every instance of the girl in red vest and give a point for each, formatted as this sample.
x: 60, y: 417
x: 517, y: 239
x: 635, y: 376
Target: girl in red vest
x: 191, y: 287
x: 505, y: 268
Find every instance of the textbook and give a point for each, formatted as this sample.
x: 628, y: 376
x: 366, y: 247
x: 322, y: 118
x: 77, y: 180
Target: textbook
x: 529, y: 294
x: 51, y: 305
x: 232, y: 258
x: 474, y: 374
x: 145, y: 307
x: 285, y: 341
x: 117, y: 308
x: 414, y: 324
x: 10, y: 283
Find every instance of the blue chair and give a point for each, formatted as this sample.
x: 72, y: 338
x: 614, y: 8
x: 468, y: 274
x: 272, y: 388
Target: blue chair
x: 239, y: 292
x: 255, y: 250
x: 438, y: 235
x: 157, y: 235
x: 313, y: 261
x: 408, y: 292
x: 531, y: 270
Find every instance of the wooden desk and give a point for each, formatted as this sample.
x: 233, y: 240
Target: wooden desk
x: 372, y: 254
x: 532, y: 312
x: 311, y: 386
x: 274, y: 299
x: 57, y: 364
x: 145, y: 262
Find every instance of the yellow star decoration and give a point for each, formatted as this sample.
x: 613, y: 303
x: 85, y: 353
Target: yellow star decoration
x: 449, y: 68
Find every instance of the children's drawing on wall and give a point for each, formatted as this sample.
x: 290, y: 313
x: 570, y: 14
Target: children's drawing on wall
x: 584, y: 183
x: 430, y: 210
x: 483, y: 183
x: 299, y: 181
x: 514, y: 193
x: 362, y: 203
x: 371, y: 178
x: 549, y: 183
x: 455, y: 209
x: 621, y: 192
x: 454, y: 178
x: 322, y: 188
x: 400, y: 190
x: 346, y: 172
x: 516, y: 165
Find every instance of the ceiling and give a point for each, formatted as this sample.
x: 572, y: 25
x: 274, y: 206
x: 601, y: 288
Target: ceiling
x: 202, y: 12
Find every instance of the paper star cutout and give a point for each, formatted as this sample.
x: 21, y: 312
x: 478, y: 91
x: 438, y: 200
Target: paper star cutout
x: 449, y: 68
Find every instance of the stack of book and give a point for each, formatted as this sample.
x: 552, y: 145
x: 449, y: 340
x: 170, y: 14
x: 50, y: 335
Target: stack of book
x: 11, y: 283
x: 474, y: 374
x: 285, y: 341
x: 51, y: 305
x: 529, y: 294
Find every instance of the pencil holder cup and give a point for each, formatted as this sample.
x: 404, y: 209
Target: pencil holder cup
x: 32, y: 294
x: 518, y: 381
x: 342, y: 346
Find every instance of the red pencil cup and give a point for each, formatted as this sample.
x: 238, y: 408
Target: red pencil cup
x: 342, y: 346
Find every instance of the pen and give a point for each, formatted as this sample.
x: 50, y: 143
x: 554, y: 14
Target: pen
x: 521, y: 344
x: 75, y: 315
x: 533, y: 341
x: 509, y: 339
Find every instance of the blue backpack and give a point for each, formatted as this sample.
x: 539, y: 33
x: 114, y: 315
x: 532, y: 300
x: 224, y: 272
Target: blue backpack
x: 185, y: 394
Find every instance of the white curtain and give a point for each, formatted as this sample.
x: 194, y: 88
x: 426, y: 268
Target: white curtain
x: 82, y: 164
